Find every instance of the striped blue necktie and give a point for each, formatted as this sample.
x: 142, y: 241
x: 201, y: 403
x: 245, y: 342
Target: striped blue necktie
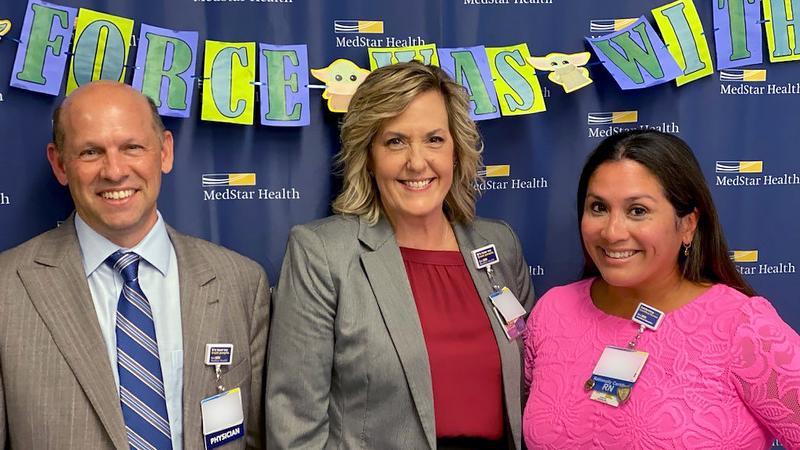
x: 141, y: 385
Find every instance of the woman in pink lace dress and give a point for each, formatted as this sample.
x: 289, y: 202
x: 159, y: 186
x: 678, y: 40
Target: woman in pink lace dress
x: 723, y: 370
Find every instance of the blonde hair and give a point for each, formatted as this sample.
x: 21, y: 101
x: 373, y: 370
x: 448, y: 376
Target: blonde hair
x: 383, y: 95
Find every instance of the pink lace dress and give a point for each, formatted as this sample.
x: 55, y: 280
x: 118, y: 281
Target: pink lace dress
x: 723, y: 373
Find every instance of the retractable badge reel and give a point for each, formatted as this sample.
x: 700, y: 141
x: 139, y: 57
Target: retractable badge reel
x: 507, y: 309
x: 223, y: 416
x: 618, y: 368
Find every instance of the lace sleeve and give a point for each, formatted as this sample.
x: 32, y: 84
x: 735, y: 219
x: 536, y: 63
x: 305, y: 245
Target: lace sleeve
x: 765, y: 370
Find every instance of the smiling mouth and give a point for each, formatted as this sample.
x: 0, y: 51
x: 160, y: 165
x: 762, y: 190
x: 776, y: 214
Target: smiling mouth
x: 417, y: 185
x: 620, y: 254
x: 117, y: 195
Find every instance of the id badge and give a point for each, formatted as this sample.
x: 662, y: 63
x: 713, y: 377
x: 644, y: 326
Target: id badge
x: 648, y: 316
x: 615, y: 374
x: 223, y: 418
x: 509, y: 312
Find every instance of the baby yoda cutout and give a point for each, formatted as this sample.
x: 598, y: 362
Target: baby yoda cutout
x: 565, y: 69
x: 341, y: 79
x: 5, y: 27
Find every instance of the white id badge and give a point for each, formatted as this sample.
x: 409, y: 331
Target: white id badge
x: 509, y: 312
x: 223, y: 418
x: 507, y: 304
x: 620, y: 363
x: 615, y: 374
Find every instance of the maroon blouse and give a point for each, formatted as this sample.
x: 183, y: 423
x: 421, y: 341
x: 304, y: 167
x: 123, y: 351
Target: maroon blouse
x: 462, y: 349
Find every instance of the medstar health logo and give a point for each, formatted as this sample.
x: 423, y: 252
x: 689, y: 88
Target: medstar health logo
x: 229, y: 179
x: 742, y: 75
x: 604, y: 124
x: 747, y: 263
x: 241, y: 186
x: 599, y: 27
x: 493, y: 179
x: 748, y: 256
x: 503, y: 170
x: 358, y: 26
x: 739, y: 166
x: 751, y: 173
x: 753, y: 82
x: 606, y: 118
x: 351, y: 35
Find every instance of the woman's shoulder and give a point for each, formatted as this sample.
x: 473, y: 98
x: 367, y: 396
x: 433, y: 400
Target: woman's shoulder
x: 756, y: 308
x: 333, y: 235
x: 576, y: 290
x: 331, y: 227
x: 722, y: 297
x: 566, y: 297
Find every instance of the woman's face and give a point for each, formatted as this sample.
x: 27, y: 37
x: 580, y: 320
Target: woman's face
x: 629, y: 228
x: 412, y: 158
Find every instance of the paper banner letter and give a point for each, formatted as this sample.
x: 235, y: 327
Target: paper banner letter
x: 379, y: 57
x: 635, y: 56
x: 682, y: 31
x: 165, y: 63
x: 565, y: 69
x: 42, y: 55
x: 469, y: 66
x: 341, y: 79
x: 518, y: 90
x: 783, y: 34
x: 228, y: 76
x: 100, y: 49
x: 283, y: 73
x: 738, y: 33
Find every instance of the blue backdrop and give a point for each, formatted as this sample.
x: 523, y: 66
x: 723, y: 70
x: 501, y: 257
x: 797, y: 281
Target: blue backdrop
x: 725, y: 122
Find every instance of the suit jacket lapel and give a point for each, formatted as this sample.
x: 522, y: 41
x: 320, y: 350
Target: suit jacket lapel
x: 384, y: 267
x: 199, y: 322
x: 58, y: 289
x: 468, y: 240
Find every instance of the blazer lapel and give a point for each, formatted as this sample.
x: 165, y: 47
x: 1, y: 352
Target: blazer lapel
x: 59, y: 291
x: 384, y: 267
x: 469, y: 239
x: 199, y: 322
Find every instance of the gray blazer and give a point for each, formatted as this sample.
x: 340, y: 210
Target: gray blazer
x: 347, y: 363
x: 56, y: 384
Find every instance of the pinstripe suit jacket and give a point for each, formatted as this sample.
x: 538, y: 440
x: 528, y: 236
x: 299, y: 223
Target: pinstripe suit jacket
x: 57, y: 387
x: 348, y: 366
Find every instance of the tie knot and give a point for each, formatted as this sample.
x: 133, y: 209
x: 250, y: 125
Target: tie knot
x: 126, y: 263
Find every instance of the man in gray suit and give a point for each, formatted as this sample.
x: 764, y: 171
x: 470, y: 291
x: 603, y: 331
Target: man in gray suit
x: 96, y: 355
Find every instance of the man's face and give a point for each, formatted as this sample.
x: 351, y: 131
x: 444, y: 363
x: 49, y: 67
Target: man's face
x: 112, y: 160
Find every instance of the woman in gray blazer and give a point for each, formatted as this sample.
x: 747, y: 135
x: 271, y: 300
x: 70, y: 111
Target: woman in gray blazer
x: 386, y: 331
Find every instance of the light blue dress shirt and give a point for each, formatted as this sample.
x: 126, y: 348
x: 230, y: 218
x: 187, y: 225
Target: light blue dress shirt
x: 158, y: 277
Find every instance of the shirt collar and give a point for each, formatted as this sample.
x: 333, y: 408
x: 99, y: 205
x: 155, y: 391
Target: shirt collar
x: 155, y: 248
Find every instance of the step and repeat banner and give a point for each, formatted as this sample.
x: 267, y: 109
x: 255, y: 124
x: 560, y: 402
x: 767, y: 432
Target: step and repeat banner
x: 254, y: 90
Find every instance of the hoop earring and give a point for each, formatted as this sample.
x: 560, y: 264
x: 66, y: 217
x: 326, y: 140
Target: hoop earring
x: 686, y: 248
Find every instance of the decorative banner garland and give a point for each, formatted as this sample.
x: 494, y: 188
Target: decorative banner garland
x: 501, y: 81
